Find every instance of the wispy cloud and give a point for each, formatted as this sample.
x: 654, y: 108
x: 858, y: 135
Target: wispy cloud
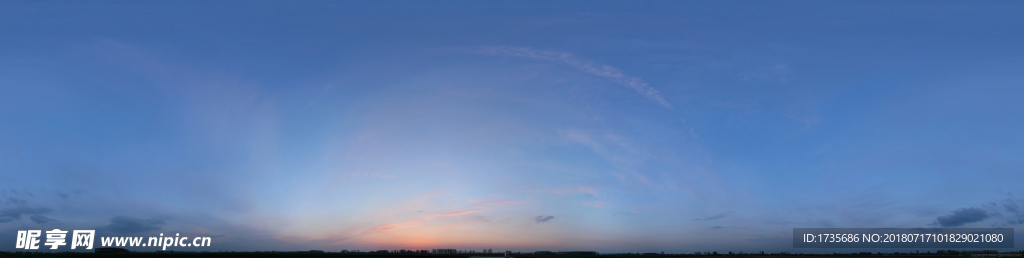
x: 40, y: 219
x: 717, y: 216
x: 599, y: 70
x: 453, y: 213
x: 596, y: 204
x: 131, y: 225
x: 391, y: 226
x: 540, y: 219
x: 496, y: 202
x: 368, y: 174
x: 588, y: 191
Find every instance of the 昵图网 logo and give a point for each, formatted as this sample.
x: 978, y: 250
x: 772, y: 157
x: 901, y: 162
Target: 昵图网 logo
x: 30, y: 240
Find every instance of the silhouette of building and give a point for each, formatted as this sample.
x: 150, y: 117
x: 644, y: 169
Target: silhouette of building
x: 444, y: 251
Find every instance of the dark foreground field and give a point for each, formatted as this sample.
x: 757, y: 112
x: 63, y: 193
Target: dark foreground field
x: 338, y: 255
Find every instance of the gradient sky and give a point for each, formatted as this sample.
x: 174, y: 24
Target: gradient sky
x: 613, y: 126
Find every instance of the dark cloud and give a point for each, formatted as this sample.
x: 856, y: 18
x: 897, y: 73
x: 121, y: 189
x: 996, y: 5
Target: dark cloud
x: 1011, y: 206
x: 14, y: 213
x: 719, y: 216
x: 16, y: 201
x: 40, y: 219
x: 74, y: 193
x: 130, y: 225
x: 19, y: 193
x: 540, y: 219
x: 17, y: 205
x: 962, y: 216
x: 1015, y: 214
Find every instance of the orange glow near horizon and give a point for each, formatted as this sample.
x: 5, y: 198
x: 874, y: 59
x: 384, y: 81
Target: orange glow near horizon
x: 425, y: 235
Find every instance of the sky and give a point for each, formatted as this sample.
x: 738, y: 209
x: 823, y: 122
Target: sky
x: 610, y: 126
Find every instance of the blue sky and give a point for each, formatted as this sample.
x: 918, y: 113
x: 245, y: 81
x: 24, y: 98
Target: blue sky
x: 614, y: 126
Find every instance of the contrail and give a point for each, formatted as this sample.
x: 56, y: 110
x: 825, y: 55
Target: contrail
x: 596, y: 69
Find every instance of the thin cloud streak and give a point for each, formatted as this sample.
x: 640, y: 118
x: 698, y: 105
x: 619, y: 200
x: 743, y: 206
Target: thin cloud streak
x: 541, y: 219
x: 454, y: 213
x: 592, y: 68
x: 497, y: 202
x: 389, y: 227
x: 718, y: 216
